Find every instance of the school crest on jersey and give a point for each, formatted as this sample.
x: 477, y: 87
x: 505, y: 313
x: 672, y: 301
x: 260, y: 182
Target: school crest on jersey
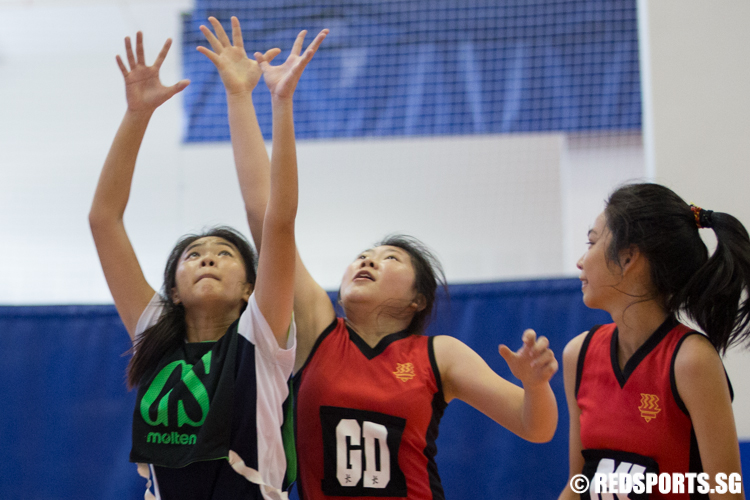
x: 649, y: 406
x: 404, y: 372
x: 360, y: 453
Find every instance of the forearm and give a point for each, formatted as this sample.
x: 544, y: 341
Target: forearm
x: 567, y: 494
x: 282, y: 201
x: 539, y: 413
x: 113, y: 188
x: 276, y: 266
x: 251, y: 160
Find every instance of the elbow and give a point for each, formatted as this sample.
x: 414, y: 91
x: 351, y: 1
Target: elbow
x: 543, y: 429
x: 544, y: 435
x: 540, y: 436
x: 101, y: 220
x: 95, y: 219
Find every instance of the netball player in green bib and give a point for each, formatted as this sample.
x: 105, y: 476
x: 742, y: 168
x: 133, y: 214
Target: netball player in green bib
x: 214, y: 350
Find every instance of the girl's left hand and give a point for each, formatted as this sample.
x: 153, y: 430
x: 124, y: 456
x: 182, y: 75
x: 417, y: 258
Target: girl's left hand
x: 282, y: 80
x: 534, y: 363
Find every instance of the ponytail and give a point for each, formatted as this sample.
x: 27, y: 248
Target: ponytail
x: 716, y: 297
x: 713, y: 291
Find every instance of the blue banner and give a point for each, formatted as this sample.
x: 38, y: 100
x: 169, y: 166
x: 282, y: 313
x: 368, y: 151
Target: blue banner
x: 432, y: 67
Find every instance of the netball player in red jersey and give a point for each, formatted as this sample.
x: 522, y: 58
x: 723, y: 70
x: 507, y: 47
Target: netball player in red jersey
x: 370, y: 389
x: 647, y: 394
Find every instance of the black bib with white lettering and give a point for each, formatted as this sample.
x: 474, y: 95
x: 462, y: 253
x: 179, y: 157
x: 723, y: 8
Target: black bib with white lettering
x: 183, y: 408
x: 361, y: 453
x: 616, y: 462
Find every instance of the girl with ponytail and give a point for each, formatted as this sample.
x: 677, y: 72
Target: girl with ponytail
x: 647, y: 394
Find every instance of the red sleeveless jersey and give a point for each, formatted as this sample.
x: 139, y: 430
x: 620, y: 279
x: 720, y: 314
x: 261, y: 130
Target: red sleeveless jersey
x: 633, y: 420
x: 367, y: 418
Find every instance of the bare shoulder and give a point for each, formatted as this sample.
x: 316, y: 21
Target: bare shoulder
x: 455, y: 359
x: 448, y: 349
x: 697, y: 358
x: 446, y: 342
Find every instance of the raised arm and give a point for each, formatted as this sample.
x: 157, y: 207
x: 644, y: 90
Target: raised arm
x: 240, y: 75
x: 144, y: 92
x: 270, y: 194
x: 312, y: 308
x: 530, y: 412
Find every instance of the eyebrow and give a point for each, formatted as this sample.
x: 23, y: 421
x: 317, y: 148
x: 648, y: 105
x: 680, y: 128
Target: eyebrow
x: 194, y: 245
x: 397, y: 250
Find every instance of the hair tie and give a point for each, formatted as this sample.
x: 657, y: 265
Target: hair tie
x: 702, y: 217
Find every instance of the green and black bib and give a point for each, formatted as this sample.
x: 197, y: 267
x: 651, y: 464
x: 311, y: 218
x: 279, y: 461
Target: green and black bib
x: 183, y: 409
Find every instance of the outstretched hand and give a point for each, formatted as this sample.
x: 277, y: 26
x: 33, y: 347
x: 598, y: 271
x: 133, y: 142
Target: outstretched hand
x: 534, y: 363
x: 143, y: 89
x: 282, y: 80
x: 238, y: 72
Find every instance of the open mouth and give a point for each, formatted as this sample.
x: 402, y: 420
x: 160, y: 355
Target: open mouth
x: 364, y: 275
x: 207, y: 276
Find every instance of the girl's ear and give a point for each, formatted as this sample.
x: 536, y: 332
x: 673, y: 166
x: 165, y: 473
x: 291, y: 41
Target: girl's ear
x: 248, y: 292
x: 630, y: 258
x: 419, y: 303
x: 175, y: 296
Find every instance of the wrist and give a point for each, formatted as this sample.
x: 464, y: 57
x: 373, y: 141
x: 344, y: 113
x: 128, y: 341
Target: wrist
x: 139, y: 114
x: 536, y: 387
x: 239, y: 94
x: 277, y: 100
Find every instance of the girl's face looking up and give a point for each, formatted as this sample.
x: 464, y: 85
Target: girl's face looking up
x: 382, y: 275
x: 211, y: 271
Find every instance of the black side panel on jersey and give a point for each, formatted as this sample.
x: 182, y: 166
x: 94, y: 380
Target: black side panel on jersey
x: 438, y: 408
x: 582, y: 355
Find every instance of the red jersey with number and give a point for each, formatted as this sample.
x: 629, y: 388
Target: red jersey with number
x: 632, y: 419
x: 367, y: 418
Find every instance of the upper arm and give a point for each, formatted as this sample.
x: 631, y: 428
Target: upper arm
x: 274, y: 286
x: 130, y: 290
x: 313, y: 311
x: 570, y: 365
x: 702, y: 385
x: 466, y: 376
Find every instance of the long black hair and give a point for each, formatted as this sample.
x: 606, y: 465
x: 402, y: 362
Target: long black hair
x: 428, y: 276
x: 170, y: 330
x: 712, y: 291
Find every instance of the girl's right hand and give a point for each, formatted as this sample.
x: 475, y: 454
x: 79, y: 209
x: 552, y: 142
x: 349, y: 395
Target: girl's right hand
x: 238, y: 72
x: 143, y: 89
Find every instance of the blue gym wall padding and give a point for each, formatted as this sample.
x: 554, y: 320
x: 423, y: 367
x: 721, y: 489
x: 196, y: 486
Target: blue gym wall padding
x: 65, y: 424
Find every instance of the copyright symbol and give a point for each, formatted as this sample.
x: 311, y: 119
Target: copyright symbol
x: 579, y: 483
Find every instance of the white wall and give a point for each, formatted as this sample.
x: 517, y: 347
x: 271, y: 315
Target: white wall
x: 492, y: 207
x: 696, y: 69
